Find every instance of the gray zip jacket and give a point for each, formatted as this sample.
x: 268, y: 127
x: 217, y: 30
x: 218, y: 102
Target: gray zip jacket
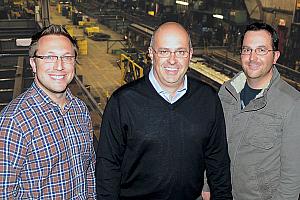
x: 263, y: 140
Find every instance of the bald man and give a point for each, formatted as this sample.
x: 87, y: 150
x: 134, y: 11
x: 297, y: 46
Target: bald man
x: 161, y: 132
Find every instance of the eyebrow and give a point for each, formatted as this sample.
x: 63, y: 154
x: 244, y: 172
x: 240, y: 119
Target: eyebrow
x: 180, y: 48
x: 245, y: 46
x: 54, y: 53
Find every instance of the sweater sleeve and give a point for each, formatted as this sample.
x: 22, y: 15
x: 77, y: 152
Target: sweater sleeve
x: 217, y: 158
x: 110, y: 153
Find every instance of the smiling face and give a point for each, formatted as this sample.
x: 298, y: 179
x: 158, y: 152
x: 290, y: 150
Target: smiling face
x: 258, y: 68
x: 170, y: 71
x: 53, y: 78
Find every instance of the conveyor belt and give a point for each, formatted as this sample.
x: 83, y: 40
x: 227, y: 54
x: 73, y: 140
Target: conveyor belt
x: 214, y: 75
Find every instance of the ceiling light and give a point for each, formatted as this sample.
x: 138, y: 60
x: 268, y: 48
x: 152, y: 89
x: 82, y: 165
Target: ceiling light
x: 218, y: 16
x: 182, y: 3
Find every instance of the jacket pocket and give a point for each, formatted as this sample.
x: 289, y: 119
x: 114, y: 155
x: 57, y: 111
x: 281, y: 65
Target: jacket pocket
x: 265, y: 142
x: 264, y: 130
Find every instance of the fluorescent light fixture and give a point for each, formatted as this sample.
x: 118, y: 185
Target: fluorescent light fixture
x: 23, y: 42
x: 182, y: 3
x: 218, y: 16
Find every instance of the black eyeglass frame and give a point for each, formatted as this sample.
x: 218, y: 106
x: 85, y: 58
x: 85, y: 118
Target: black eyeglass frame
x: 64, y: 59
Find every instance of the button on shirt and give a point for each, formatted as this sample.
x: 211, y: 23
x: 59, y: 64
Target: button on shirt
x: 46, y: 152
x: 164, y: 94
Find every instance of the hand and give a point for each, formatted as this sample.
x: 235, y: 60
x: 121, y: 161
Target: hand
x: 205, y: 195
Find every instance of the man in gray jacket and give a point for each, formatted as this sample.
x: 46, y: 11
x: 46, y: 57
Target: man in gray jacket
x: 262, y: 114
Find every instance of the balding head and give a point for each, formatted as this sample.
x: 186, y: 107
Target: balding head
x: 170, y: 30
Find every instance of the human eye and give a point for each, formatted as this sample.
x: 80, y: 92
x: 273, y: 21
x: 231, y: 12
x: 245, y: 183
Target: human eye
x: 164, y: 52
x: 49, y: 58
x: 261, y: 50
x: 246, y: 50
x: 181, y: 52
x: 67, y: 58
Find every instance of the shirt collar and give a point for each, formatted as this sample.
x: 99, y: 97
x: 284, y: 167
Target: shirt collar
x: 41, y: 97
x: 161, y: 91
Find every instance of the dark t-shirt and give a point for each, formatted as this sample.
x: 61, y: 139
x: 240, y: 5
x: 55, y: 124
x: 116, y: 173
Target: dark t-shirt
x: 247, y: 94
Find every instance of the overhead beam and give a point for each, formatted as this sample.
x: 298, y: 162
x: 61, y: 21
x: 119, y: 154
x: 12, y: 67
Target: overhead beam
x: 255, y: 9
x: 45, y: 13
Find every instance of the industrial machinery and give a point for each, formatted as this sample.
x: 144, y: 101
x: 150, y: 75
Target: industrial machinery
x: 133, y: 65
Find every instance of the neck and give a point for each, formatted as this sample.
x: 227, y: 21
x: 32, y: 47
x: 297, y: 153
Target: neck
x: 260, y: 82
x: 173, y: 89
x: 59, y: 99
x: 257, y: 84
x: 170, y: 87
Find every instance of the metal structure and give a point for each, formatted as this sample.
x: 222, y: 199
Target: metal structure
x: 129, y: 69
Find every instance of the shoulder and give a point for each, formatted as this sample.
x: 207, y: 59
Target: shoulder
x: 285, y: 91
x: 79, y: 104
x: 137, y: 86
x: 224, y: 90
x: 198, y: 86
x: 17, y: 105
x: 16, y: 113
x: 201, y: 93
x: 282, y: 98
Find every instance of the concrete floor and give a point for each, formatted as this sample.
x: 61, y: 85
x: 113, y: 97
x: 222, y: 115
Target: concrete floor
x: 99, y: 69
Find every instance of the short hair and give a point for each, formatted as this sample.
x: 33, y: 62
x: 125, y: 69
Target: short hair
x: 257, y: 26
x: 53, y: 29
x: 156, y: 30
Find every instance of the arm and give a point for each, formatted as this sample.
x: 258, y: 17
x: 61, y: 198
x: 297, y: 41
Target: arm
x: 91, y: 183
x: 205, y: 195
x: 205, y: 190
x: 217, y: 158
x: 110, y: 153
x: 289, y: 187
x: 12, y: 155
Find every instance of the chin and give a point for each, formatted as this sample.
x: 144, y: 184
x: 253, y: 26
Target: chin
x: 57, y: 89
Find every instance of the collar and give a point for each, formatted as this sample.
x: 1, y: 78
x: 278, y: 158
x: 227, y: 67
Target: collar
x: 238, y: 82
x: 165, y: 94
x: 42, y: 98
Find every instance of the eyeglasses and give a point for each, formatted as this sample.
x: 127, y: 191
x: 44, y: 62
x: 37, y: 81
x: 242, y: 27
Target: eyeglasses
x: 53, y: 59
x: 261, y: 51
x: 165, y: 53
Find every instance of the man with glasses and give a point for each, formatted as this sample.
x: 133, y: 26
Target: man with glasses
x: 161, y: 132
x: 262, y: 115
x: 46, y: 147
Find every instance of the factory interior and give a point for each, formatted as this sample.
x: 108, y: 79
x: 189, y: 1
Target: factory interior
x: 114, y: 35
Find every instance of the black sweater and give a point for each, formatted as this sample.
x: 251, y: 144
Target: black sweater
x: 150, y: 149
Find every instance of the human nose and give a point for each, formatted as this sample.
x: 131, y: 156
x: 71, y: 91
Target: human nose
x: 172, y: 58
x: 58, y: 65
x: 253, y: 54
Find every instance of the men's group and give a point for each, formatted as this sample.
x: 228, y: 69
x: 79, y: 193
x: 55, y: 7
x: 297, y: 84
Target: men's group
x: 165, y: 136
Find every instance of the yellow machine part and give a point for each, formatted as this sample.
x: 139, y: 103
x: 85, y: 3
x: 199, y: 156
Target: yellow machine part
x: 91, y: 30
x: 58, y: 7
x: 83, y: 45
x: 129, y: 69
